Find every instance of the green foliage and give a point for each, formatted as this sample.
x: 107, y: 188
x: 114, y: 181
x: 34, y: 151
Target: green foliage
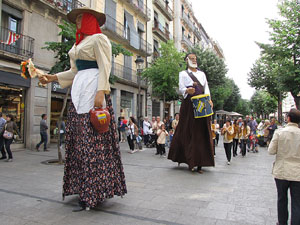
x: 61, y: 49
x: 284, y: 51
x: 163, y: 73
x: 262, y: 103
x: 224, y: 92
x: 243, y: 107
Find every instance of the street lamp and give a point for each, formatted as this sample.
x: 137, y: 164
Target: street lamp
x: 139, y: 66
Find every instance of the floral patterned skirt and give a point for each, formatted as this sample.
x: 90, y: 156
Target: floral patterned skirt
x: 93, y: 167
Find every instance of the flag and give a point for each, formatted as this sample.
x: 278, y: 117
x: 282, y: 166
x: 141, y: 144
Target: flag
x: 12, y: 38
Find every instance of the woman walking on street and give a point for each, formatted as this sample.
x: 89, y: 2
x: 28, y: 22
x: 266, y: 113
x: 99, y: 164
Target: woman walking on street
x: 235, y: 137
x: 244, y: 133
x: 9, y: 128
x: 93, y: 167
x: 228, y: 132
x: 132, y: 133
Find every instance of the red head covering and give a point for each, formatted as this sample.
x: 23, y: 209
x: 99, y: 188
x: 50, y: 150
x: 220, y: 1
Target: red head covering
x: 89, y: 26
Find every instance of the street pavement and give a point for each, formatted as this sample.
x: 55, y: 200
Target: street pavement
x: 159, y: 192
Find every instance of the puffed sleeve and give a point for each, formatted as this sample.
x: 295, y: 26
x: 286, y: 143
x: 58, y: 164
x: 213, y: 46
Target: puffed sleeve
x: 65, y: 79
x: 182, y: 87
x: 206, y: 88
x: 102, y: 50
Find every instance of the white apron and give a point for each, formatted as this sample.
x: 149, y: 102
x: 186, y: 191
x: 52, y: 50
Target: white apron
x: 84, y: 90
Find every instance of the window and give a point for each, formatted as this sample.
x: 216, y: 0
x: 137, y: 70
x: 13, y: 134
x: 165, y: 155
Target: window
x: 126, y: 28
x: 183, y: 31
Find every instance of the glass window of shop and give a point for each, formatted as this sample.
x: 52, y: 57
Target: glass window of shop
x: 126, y: 104
x: 12, y: 101
x: 56, y: 107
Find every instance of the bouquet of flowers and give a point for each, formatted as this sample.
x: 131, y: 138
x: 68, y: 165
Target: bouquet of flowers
x: 29, y: 71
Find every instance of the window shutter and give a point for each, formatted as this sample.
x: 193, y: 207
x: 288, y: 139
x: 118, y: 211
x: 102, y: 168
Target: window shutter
x: 134, y: 37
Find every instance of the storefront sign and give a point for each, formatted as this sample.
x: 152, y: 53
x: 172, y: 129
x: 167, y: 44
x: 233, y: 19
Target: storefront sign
x: 13, y: 79
x: 57, y: 88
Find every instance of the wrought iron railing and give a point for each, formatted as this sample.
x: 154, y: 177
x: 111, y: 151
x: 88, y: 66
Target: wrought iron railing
x: 188, y: 21
x: 16, y: 43
x: 186, y: 40
x: 126, y: 73
x: 164, y: 6
x: 165, y: 32
x: 116, y: 27
x: 66, y: 5
x: 141, y: 7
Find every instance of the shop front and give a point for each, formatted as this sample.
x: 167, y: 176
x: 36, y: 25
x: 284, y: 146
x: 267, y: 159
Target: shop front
x: 127, y: 104
x: 57, y: 99
x: 13, y: 101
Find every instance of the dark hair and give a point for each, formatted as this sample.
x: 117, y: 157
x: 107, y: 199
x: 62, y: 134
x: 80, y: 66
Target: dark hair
x: 228, y: 120
x: 190, y: 53
x: 176, y: 114
x: 133, y: 119
x: 43, y: 115
x: 235, y: 121
x: 294, y: 115
x: 244, y: 123
x: 10, y: 116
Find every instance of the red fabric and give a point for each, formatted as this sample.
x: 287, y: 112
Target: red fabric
x: 89, y: 26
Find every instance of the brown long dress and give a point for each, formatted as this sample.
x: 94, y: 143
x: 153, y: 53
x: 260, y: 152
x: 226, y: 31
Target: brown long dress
x: 192, y: 142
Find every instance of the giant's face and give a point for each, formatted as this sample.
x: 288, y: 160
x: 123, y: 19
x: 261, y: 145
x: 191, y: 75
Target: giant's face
x: 192, y: 61
x: 78, y: 21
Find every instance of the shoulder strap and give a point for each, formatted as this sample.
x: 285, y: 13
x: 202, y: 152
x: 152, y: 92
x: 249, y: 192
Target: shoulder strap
x: 192, y: 76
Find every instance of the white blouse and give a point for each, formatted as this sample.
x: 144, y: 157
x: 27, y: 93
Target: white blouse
x: 185, y: 81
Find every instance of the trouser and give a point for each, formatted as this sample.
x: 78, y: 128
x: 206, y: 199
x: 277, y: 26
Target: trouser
x: 248, y: 142
x: 244, y: 146
x: 282, y: 201
x: 217, y: 137
x: 3, y: 153
x: 227, y: 147
x: 123, y: 134
x: 61, y: 136
x: 161, y: 149
x: 7, y: 143
x: 44, y: 139
x: 119, y: 132
x: 146, y: 139
x: 156, y: 145
x: 235, y: 145
x: 130, y: 143
x: 214, y: 145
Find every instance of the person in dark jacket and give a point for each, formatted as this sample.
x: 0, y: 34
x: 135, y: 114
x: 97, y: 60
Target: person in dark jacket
x: 43, y: 133
x: 2, y: 124
x: 10, y: 128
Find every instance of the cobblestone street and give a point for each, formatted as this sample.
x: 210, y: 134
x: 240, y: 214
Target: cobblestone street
x: 159, y: 192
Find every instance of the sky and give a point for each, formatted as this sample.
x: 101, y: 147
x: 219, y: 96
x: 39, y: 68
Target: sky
x: 236, y: 25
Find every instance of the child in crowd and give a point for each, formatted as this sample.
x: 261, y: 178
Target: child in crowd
x: 162, y: 133
x: 171, y: 133
x: 254, y: 143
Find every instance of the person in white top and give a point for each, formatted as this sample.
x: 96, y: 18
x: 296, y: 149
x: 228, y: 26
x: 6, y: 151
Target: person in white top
x: 192, y: 141
x: 217, y: 128
x: 286, y: 168
x: 146, y: 130
x: 93, y: 160
x: 162, y: 133
x: 155, y: 126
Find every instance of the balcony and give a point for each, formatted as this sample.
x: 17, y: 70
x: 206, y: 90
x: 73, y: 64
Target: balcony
x: 197, y: 33
x: 127, y: 75
x: 188, y: 21
x: 15, y: 46
x: 64, y: 5
x: 186, y: 41
x: 161, y: 31
x: 116, y: 32
x: 164, y: 8
x: 140, y: 8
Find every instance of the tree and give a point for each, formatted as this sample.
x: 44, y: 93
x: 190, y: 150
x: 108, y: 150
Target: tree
x: 215, y: 71
x: 264, y: 75
x: 285, y: 47
x: 231, y: 102
x: 163, y: 72
x: 243, y: 107
x: 61, y: 50
x: 263, y: 103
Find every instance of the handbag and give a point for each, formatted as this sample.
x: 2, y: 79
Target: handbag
x: 8, y: 135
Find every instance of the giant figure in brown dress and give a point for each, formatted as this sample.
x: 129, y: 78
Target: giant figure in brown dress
x: 192, y: 141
